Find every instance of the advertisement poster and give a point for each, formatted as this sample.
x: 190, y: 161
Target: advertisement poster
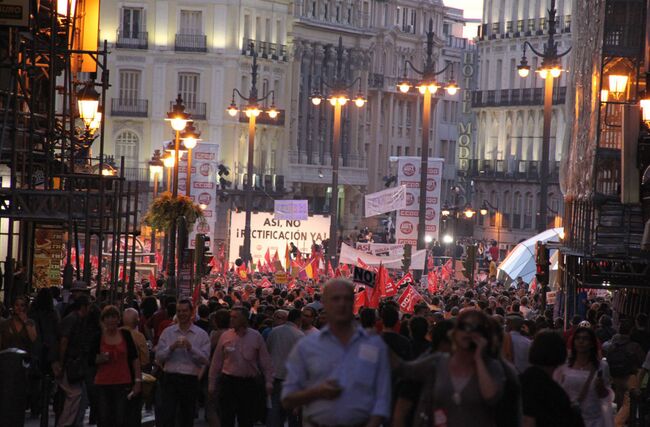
x: 48, y: 254
x: 408, y: 175
x: 273, y: 234
x: 205, y: 159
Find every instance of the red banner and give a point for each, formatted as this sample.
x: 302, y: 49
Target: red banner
x: 409, y: 298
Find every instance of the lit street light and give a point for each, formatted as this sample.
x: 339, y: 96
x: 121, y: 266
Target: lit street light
x: 427, y: 86
x: 156, y: 169
x: 549, y: 70
x: 191, y: 138
x: 338, y: 97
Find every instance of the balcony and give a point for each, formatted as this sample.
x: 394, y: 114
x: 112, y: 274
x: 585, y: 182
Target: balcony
x: 191, y: 43
x: 456, y: 42
x: 132, y: 39
x: 196, y: 110
x: 515, y: 97
x: 520, y: 170
x: 525, y: 28
x: 129, y: 107
x: 265, y: 50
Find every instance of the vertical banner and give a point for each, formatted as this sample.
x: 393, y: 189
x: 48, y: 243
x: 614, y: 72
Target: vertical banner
x: 205, y: 159
x: 408, y: 175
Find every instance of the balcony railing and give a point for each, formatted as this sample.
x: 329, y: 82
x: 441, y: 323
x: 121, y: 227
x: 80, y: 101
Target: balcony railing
x: 514, y: 97
x: 513, y: 169
x: 265, y: 50
x: 129, y: 107
x: 191, y: 43
x: 132, y: 39
x: 523, y: 28
x: 195, y: 109
x: 456, y: 42
x: 136, y: 174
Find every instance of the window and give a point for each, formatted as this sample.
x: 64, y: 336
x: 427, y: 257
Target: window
x: 542, y: 23
x: 509, y: 26
x: 326, y: 10
x: 444, y: 146
x: 516, y: 211
x: 531, y: 24
x: 191, y: 22
x: 126, y: 145
x: 129, y: 89
x: 495, y: 28
x: 132, y: 22
x: 407, y: 151
x: 413, y: 20
x: 520, y: 26
x: 338, y: 13
x: 313, y: 9
x: 399, y: 151
x: 188, y: 87
x: 397, y: 16
x: 445, y: 29
x: 349, y: 15
x: 528, y: 211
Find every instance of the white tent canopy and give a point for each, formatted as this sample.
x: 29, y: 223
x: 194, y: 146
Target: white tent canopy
x: 521, y: 260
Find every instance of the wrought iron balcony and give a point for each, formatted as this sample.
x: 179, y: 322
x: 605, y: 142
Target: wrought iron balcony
x: 129, y: 107
x: 127, y: 39
x: 524, y: 170
x: 197, y: 110
x: 515, y: 97
x: 265, y: 50
x: 191, y: 43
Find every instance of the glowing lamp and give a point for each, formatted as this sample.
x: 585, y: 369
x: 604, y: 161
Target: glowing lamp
x: 88, y: 103
x: 617, y: 84
x: 232, y: 110
x: 190, y: 136
x: 422, y: 89
x: 604, y: 95
x: 645, y: 111
x: 447, y: 239
x: 483, y: 211
x: 96, y: 122
x: 469, y: 212
x: 433, y: 88
x: 523, y: 70
x: 543, y: 73
x: 404, y: 87
x: 177, y: 117
x: 359, y: 101
x: 316, y: 100
x: 452, y: 88
x: 62, y: 7
x: 428, y: 239
x: 252, y: 111
x: 555, y: 72
x: 273, y: 112
x: 168, y: 161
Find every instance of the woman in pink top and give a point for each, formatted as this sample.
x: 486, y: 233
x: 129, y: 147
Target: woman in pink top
x: 118, y: 379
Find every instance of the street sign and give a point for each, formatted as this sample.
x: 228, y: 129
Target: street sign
x: 14, y: 13
x: 364, y: 277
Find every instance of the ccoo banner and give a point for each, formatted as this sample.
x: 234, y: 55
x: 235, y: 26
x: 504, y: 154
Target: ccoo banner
x: 384, y: 201
x: 291, y: 210
x: 408, y: 175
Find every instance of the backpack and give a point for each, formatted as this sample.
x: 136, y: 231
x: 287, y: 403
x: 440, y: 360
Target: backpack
x: 621, y: 361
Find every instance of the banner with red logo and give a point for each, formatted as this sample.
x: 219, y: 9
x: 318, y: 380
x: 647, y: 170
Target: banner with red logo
x: 408, y: 175
x: 408, y: 299
x: 205, y: 160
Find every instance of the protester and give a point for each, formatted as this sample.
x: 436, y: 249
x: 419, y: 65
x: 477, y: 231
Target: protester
x: 586, y: 380
x: 545, y: 403
x: 130, y: 321
x: 624, y: 358
x: 118, y: 377
x: 460, y: 388
x: 520, y: 344
x: 280, y: 342
x: 340, y: 376
x: 239, y: 364
x: 183, y: 350
x: 309, y: 314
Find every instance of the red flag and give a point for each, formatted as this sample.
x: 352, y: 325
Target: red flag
x: 291, y: 284
x: 241, y: 271
x: 159, y: 260
x: 345, y: 271
x: 430, y: 263
x: 365, y: 266
x: 94, y: 261
x: 380, y: 280
x: 408, y: 299
x: 276, y: 256
x: 329, y: 271
x: 265, y: 283
x: 432, y: 282
x: 337, y: 273
x: 359, y: 301
x: 152, y: 279
x: 390, y: 289
x: 446, y: 270
x: 267, y: 256
x: 407, y: 279
x: 196, y: 297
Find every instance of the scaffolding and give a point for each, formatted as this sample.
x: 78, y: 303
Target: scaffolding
x: 54, y: 180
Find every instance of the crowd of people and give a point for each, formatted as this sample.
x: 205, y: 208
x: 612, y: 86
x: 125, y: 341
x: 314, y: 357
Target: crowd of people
x: 245, y: 354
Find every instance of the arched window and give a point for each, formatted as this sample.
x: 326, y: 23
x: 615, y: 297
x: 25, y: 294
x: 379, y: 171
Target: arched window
x: 516, y: 211
x: 126, y: 145
x: 528, y: 211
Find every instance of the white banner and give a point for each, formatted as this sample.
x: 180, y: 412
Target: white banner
x: 273, y: 234
x: 384, y: 201
x: 205, y: 159
x: 349, y: 255
x: 381, y: 249
x: 291, y: 209
x: 408, y: 175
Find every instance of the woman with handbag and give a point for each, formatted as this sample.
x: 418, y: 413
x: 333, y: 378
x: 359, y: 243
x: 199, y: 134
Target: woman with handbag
x: 118, y: 377
x: 586, y: 380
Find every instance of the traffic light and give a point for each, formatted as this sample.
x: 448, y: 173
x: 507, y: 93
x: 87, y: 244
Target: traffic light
x: 470, y: 263
x: 223, y: 171
x: 406, y: 261
x: 202, y: 255
x: 542, y: 263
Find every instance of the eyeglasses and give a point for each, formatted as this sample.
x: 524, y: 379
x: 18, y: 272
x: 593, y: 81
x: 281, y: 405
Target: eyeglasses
x: 468, y: 326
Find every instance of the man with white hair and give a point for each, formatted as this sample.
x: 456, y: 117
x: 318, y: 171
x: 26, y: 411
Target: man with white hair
x: 131, y: 319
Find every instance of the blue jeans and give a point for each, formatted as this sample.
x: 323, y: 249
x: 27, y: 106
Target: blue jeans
x: 277, y: 415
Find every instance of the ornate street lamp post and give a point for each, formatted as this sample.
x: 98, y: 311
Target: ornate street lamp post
x: 156, y: 169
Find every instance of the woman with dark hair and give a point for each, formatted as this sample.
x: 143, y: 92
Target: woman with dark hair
x: 545, y: 403
x: 118, y: 376
x: 461, y: 388
x: 586, y: 379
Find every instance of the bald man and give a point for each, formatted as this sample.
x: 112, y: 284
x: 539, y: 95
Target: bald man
x: 131, y: 319
x: 341, y: 374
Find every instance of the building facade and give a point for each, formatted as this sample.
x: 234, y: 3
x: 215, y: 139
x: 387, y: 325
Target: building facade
x: 503, y: 173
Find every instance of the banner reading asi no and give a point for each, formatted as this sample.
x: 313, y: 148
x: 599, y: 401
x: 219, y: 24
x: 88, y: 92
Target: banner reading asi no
x: 408, y: 175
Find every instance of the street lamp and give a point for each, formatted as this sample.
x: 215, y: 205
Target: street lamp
x: 191, y: 137
x: 178, y: 119
x: 252, y: 110
x: 168, y: 162
x: 427, y: 86
x: 549, y: 70
x: 88, y: 103
x: 485, y: 209
x: 338, y: 97
x: 156, y: 169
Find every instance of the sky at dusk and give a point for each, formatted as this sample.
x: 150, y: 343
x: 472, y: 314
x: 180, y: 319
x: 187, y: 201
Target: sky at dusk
x: 472, y: 8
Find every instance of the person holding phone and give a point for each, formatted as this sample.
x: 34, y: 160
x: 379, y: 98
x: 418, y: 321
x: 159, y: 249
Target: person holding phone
x: 461, y: 388
x: 585, y: 378
x: 341, y: 374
